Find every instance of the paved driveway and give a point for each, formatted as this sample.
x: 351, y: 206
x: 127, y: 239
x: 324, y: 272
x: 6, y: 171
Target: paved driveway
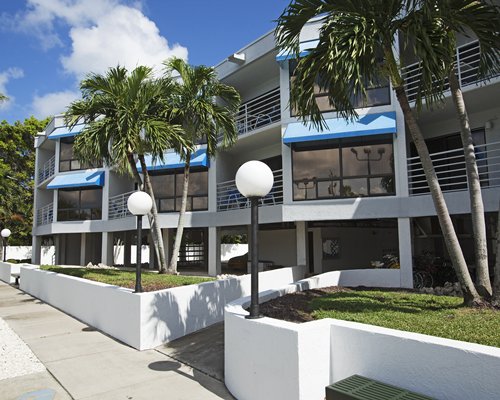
x: 82, y: 363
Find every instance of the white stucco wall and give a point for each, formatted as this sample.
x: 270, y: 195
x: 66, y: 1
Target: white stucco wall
x: 146, y: 320
x: 284, y: 360
x: 6, y: 269
x: 228, y: 251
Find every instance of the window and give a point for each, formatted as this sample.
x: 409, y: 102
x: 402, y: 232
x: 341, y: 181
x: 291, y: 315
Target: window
x: 67, y: 159
x: 354, y: 167
x: 79, y: 205
x: 168, y: 191
x: 377, y: 93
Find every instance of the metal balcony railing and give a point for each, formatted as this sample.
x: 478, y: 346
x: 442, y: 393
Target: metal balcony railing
x: 467, y: 60
x: 450, y: 169
x: 118, y: 206
x: 259, y: 112
x: 45, y: 215
x: 48, y: 170
x: 229, y: 198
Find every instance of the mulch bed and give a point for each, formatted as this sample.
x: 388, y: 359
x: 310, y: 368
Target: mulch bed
x: 294, y: 307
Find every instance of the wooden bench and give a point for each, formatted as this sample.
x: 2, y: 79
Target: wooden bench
x: 358, y: 387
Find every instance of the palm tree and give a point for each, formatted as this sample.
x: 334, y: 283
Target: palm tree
x: 3, y: 98
x: 205, y: 108
x: 126, y: 117
x: 480, y: 20
x: 356, y: 43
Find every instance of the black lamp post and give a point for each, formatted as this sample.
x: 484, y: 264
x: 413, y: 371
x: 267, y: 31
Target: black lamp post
x: 254, y: 180
x: 139, y: 204
x: 5, y: 237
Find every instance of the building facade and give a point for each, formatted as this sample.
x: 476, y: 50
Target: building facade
x: 352, y: 196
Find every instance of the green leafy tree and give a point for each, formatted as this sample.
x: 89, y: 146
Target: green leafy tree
x: 3, y: 97
x: 126, y: 116
x: 205, y: 108
x: 443, y: 20
x: 17, y: 170
x: 355, y: 46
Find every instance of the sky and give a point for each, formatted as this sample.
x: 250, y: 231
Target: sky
x: 48, y: 46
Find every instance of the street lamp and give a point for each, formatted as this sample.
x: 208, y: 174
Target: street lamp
x: 139, y: 204
x: 5, y: 235
x: 254, y: 180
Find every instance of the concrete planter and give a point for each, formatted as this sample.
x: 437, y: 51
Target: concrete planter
x: 6, y: 269
x: 284, y: 360
x: 146, y: 320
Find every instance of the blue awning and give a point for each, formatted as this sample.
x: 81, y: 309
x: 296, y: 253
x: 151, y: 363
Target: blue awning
x: 86, y: 178
x: 370, y: 124
x: 172, y: 161
x: 304, y: 48
x: 64, y: 131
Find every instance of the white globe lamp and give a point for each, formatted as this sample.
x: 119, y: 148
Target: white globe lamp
x: 139, y: 203
x: 254, y: 179
x: 5, y: 235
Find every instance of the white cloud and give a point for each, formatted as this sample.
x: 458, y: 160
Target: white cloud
x: 53, y: 103
x: 103, y: 34
x: 5, y: 77
x: 124, y: 37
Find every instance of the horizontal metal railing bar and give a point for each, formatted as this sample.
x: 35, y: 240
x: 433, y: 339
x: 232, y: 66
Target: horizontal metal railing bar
x: 45, y: 214
x: 228, y: 196
x: 450, y: 169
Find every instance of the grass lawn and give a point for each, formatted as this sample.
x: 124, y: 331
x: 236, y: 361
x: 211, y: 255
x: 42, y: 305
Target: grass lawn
x: 150, y: 281
x: 442, y: 316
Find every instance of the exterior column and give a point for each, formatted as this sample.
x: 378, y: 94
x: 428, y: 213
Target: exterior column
x: 36, y: 250
x: 83, y: 248
x: 405, y: 252
x: 127, y: 250
x: 59, y: 243
x: 301, y: 240
x: 214, y: 239
x: 105, y: 197
x: 107, y: 254
x: 286, y: 154
x: 318, y: 251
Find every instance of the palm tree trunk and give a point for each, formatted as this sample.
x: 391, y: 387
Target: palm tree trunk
x: 153, y: 220
x: 495, y: 299
x: 135, y: 172
x: 180, y: 225
x: 471, y: 297
x: 483, y: 283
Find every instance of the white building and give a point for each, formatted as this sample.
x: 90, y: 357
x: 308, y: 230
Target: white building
x: 343, y: 198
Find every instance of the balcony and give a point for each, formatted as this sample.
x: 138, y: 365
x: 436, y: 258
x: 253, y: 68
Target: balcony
x: 466, y: 66
x: 229, y: 198
x: 259, y: 112
x: 48, y: 170
x: 450, y: 169
x: 45, y: 215
x: 118, y: 206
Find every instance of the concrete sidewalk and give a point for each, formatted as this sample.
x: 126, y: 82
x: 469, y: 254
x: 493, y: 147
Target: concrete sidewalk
x: 83, y: 363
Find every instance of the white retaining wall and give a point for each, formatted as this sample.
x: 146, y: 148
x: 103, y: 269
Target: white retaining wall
x: 146, y: 320
x: 6, y: 269
x: 284, y: 360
